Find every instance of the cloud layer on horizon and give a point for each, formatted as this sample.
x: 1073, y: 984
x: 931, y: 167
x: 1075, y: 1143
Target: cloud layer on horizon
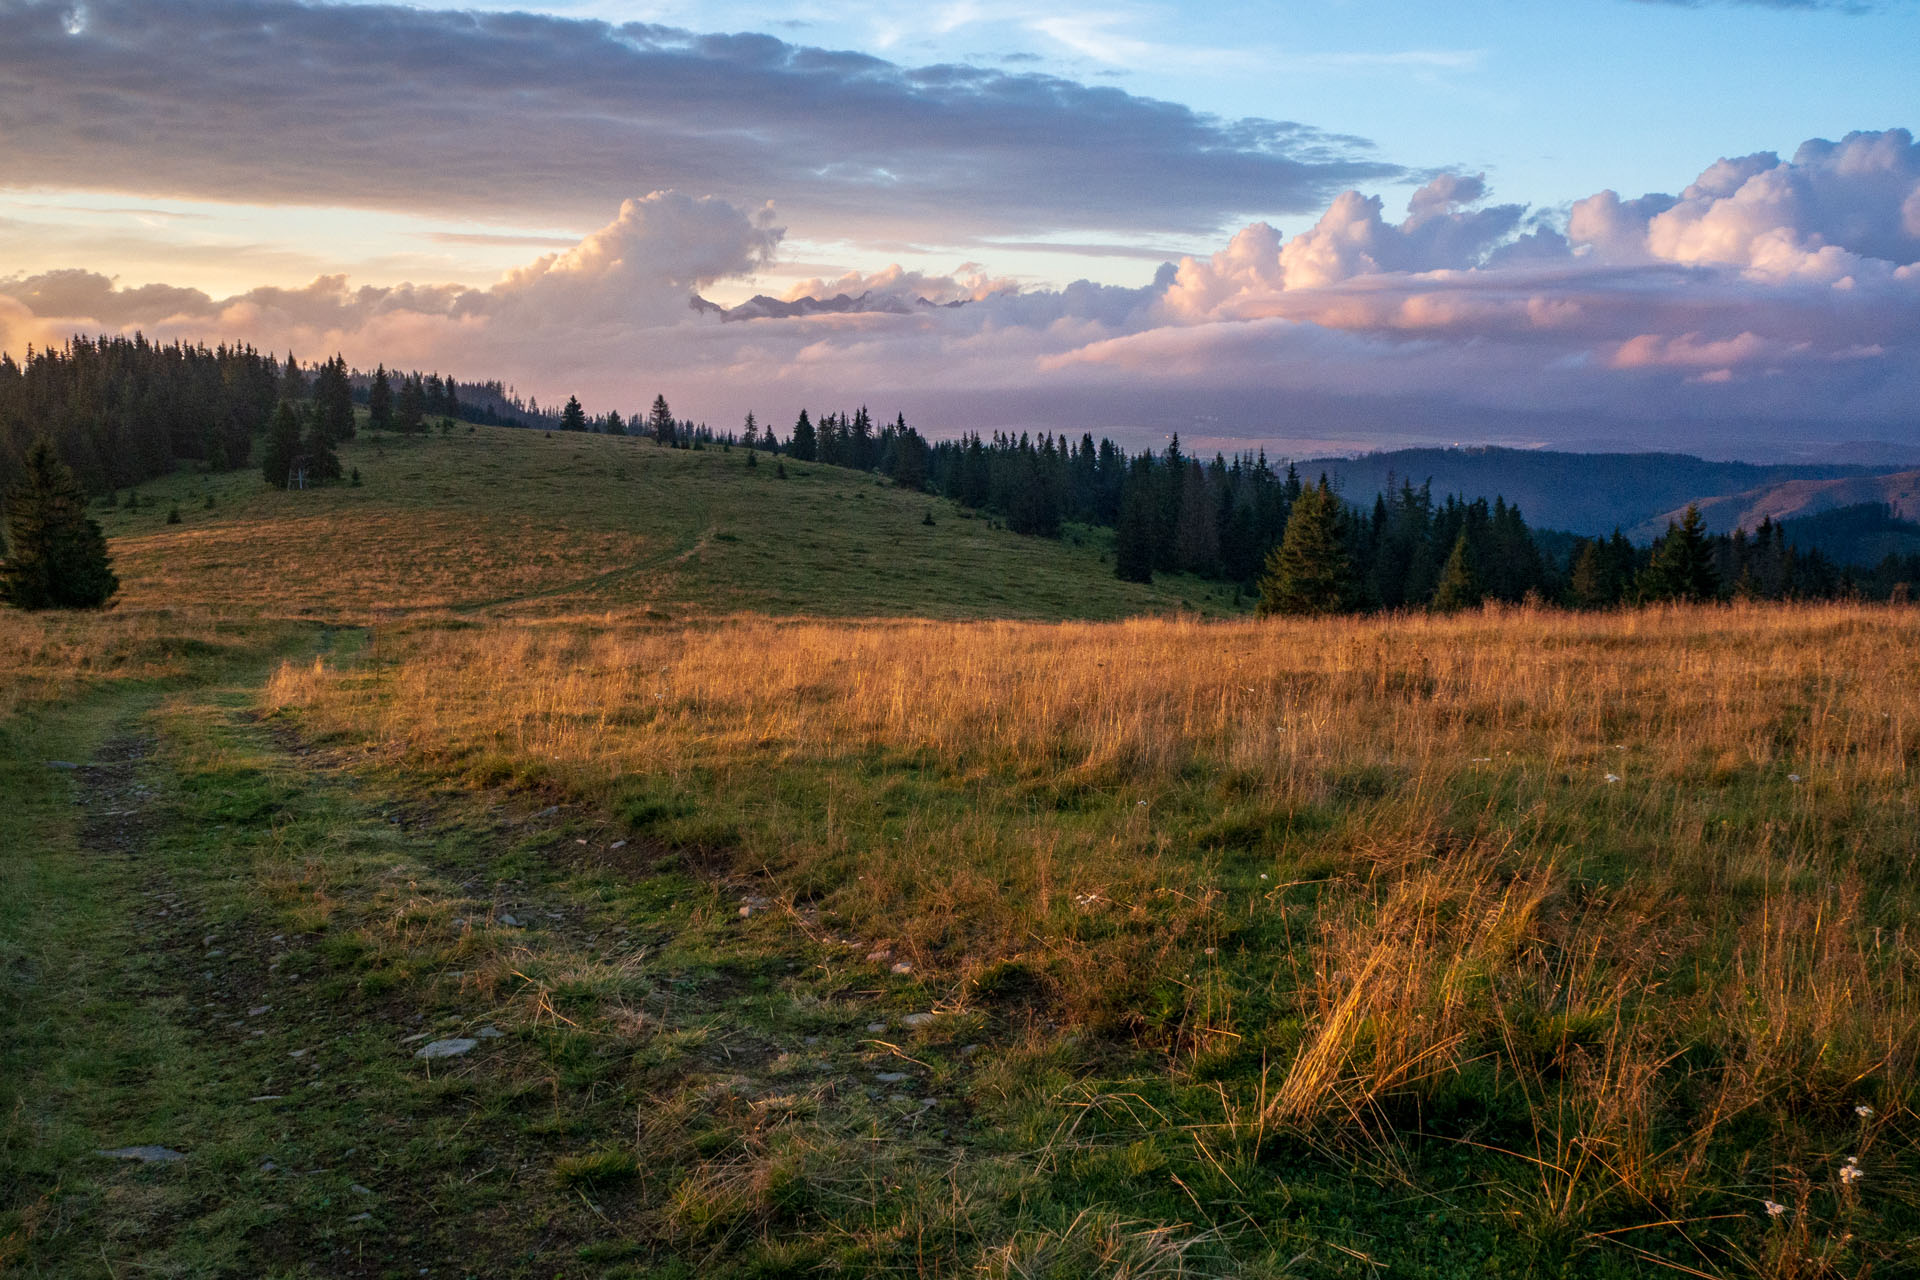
x: 1770, y: 300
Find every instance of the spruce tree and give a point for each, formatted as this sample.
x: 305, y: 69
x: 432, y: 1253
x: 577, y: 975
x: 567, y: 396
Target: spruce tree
x: 1133, y: 536
x: 573, y: 417
x: 323, y: 464
x: 283, y: 446
x: 1592, y: 585
x: 660, y: 424
x: 56, y: 556
x: 452, y: 407
x: 1682, y: 564
x: 380, y: 401
x: 1309, y: 573
x: 616, y: 425
x: 333, y: 400
x: 412, y: 414
x: 803, y: 442
x: 1460, y: 583
x: 293, y: 384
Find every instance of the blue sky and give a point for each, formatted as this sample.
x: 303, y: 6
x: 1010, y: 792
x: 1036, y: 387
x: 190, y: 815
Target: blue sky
x: 1335, y: 224
x: 1552, y: 100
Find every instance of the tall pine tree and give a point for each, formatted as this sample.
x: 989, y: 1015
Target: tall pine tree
x: 380, y: 401
x: 56, y: 556
x: 1460, y: 583
x: 1309, y: 573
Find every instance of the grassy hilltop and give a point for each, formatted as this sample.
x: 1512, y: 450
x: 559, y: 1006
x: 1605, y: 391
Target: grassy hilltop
x: 817, y: 892
x: 520, y: 522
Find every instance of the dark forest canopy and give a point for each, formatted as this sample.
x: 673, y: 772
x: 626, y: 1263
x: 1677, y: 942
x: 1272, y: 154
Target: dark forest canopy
x: 120, y: 411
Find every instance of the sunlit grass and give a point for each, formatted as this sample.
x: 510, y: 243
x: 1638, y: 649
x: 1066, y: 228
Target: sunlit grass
x: 1625, y: 897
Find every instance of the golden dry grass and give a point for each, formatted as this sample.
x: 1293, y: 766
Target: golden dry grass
x: 1627, y: 895
x: 48, y: 657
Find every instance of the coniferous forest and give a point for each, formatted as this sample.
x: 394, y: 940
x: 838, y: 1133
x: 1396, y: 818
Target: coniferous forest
x: 123, y: 410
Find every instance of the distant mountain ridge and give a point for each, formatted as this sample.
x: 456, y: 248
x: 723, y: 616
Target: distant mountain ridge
x: 1787, y: 499
x: 1594, y: 493
x: 762, y: 307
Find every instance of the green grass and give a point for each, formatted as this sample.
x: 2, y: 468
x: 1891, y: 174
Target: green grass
x: 519, y: 522
x: 530, y: 785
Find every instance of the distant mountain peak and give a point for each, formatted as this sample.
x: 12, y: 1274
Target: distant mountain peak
x: 762, y: 307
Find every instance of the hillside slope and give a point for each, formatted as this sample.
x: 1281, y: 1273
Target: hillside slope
x: 1788, y: 499
x: 520, y: 522
x: 1586, y: 493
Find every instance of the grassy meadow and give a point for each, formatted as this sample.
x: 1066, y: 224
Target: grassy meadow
x: 820, y: 892
x: 522, y: 523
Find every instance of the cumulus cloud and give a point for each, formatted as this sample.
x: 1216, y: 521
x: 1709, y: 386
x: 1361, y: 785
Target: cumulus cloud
x: 635, y: 273
x: 393, y: 107
x: 1835, y: 210
x: 1772, y: 303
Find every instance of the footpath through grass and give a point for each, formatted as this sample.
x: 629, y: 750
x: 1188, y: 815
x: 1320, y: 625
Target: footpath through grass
x: 226, y: 951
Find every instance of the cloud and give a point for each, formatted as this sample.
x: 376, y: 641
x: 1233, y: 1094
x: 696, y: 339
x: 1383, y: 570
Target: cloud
x: 397, y: 108
x: 1771, y: 305
x: 633, y: 274
x: 1834, y: 211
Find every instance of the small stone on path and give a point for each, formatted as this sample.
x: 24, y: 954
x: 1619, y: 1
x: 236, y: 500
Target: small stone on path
x: 916, y: 1019
x: 891, y: 1077
x: 146, y: 1155
x: 903, y: 967
x: 452, y: 1048
x: 875, y: 1028
x: 490, y: 1033
x: 258, y: 1009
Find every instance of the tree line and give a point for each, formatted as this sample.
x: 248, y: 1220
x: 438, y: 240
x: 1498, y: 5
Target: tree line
x: 116, y: 411
x: 119, y: 411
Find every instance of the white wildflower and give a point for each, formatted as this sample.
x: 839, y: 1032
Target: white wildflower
x: 1774, y: 1208
x: 1851, y: 1172
x: 1613, y: 777
x: 1793, y: 777
x: 1863, y: 1111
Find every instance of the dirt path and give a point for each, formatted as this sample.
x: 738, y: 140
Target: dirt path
x: 633, y: 1068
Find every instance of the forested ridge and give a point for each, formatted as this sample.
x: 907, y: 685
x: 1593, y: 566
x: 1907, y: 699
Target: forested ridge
x: 123, y: 410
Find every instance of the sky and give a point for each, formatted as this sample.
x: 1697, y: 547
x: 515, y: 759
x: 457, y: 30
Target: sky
x: 1323, y: 226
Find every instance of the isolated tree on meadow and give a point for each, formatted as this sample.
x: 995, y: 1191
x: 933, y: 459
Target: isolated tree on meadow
x: 660, y: 424
x: 1309, y: 573
x: 56, y: 556
x: 573, y: 417
x: 380, y: 401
